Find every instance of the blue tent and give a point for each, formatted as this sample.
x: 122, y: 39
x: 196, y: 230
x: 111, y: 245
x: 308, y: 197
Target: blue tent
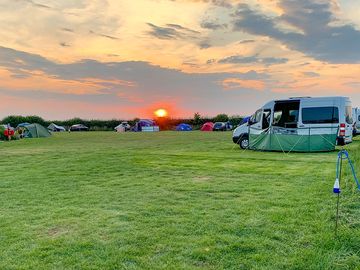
x: 23, y: 124
x: 144, y: 123
x: 245, y: 120
x: 183, y: 127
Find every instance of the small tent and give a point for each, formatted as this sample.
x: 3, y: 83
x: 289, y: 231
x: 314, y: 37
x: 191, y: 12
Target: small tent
x: 146, y: 125
x: 245, y: 120
x: 36, y: 131
x: 23, y: 124
x: 55, y: 128
x: 208, y: 126
x: 183, y: 127
x: 122, y: 127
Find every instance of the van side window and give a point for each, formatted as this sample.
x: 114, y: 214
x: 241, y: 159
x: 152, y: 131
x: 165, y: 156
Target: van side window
x: 348, y: 111
x: 320, y: 115
x: 286, y: 114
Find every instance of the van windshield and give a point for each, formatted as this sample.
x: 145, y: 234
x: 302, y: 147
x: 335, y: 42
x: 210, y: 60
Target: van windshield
x: 320, y: 115
x: 256, y: 117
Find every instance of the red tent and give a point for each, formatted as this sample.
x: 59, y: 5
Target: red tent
x: 208, y: 126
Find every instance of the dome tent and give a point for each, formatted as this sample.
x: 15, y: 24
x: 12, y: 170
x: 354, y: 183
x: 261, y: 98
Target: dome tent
x: 183, y: 127
x: 208, y: 126
x: 145, y: 125
x: 122, y: 127
x: 23, y: 124
x: 245, y: 120
x: 36, y: 131
x: 55, y: 128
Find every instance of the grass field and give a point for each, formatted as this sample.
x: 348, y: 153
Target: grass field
x: 171, y: 201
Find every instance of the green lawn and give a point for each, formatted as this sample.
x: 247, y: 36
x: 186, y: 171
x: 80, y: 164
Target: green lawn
x: 168, y: 200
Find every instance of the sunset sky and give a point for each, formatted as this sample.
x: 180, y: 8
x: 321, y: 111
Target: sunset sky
x: 122, y: 59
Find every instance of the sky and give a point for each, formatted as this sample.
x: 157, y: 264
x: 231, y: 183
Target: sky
x: 106, y: 59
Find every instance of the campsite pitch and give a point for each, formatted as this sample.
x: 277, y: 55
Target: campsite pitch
x: 171, y: 200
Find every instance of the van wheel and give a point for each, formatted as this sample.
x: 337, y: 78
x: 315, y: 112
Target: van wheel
x: 244, y: 142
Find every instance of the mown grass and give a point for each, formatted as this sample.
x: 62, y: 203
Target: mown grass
x: 171, y: 200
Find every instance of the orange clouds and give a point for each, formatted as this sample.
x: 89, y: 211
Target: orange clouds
x: 38, y: 80
x: 51, y: 108
x: 42, y: 82
x: 234, y: 83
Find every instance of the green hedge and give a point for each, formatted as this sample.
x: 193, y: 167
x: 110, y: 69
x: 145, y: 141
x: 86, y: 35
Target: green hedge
x: 109, y: 125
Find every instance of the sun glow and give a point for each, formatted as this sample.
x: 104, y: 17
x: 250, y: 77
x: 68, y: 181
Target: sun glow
x: 161, y: 113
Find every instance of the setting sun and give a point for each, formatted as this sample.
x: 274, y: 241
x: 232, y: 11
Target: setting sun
x: 161, y: 113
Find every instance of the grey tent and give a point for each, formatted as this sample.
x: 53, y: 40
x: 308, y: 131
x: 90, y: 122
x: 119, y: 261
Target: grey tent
x: 55, y: 128
x: 36, y: 131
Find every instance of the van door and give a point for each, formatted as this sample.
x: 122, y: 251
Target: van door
x: 255, y: 122
x: 256, y: 129
x: 286, y: 116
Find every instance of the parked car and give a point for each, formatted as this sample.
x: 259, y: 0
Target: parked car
x: 355, y: 131
x: 222, y: 126
x: 78, y: 127
x: 219, y: 126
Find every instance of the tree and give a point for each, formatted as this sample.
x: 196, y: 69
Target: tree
x: 14, y: 120
x: 197, y: 118
x: 235, y: 120
x: 221, y: 118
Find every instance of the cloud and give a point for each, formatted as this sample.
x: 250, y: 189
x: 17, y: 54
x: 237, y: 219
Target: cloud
x: 64, y: 44
x: 130, y: 83
x: 14, y: 60
x: 39, y: 26
x: 213, y: 25
x: 311, y: 74
x: 236, y: 84
x: 163, y: 32
x: 353, y: 84
x: 178, y: 32
x: 204, y: 44
x: 219, y: 3
x: 315, y: 33
x: 245, y: 41
x: 179, y: 27
x: 222, y: 3
x: 35, y: 4
x: 67, y: 30
x: 103, y: 35
x: 239, y: 59
x: 172, y: 31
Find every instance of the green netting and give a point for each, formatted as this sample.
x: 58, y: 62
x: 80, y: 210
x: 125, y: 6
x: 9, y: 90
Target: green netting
x: 292, y: 142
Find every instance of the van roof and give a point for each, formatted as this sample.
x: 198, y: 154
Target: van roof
x: 339, y: 99
x: 316, y: 98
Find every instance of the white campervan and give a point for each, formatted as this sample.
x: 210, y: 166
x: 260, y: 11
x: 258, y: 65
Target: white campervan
x: 301, y: 116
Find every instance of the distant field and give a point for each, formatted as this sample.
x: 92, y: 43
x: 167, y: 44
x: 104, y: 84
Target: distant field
x: 170, y: 200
